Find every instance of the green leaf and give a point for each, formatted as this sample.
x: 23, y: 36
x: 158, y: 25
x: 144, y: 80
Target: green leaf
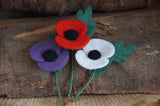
x: 121, y: 52
x: 99, y: 71
x: 88, y: 13
x: 91, y: 22
x: 90, y: 30
x: 86, y: 18
x: 79, y: 14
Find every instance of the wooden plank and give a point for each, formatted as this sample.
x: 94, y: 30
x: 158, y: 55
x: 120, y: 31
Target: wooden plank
x: 21, y: 77
x: 89, y: 100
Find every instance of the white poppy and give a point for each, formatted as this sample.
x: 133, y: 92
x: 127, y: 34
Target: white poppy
x: 95, y: 54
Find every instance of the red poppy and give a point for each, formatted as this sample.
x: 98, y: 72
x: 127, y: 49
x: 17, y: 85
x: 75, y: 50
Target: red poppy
x: 72, y: 34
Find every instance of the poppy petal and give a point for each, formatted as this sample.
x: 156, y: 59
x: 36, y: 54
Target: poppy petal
x: 79, y: 43
x: 37, y: 50
x: 88, y: 63
x: 106, y: 48
x: 60, y: 62
x: 66, y: 25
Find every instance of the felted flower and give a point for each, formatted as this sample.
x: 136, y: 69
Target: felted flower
x: 49, y: 55
x: 72, y: 34
x: 95, y: 54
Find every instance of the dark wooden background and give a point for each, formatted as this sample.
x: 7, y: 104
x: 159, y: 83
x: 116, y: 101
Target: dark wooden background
x: 66, y: 7
x: 20, y: 76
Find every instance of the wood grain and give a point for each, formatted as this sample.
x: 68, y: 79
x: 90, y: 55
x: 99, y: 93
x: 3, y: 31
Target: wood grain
x: 2, y: 27
x: 20, y: 76
x: 35, y: 32
x: 90, y: 100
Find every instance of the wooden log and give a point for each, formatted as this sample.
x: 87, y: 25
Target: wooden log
x: 20, y: 76
x: 64, y: 7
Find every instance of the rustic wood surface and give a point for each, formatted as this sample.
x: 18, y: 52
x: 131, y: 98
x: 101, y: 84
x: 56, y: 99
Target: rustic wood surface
x: 21, y: 77
x: 89, y: 100
x: 63, y: 7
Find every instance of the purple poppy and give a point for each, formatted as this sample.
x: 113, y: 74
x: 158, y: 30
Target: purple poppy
x: 49, y: 55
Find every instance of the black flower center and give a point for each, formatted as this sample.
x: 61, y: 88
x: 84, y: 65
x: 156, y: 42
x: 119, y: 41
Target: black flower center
x: 50, y: 55
x: 71, y: 34
x: 94, y: 54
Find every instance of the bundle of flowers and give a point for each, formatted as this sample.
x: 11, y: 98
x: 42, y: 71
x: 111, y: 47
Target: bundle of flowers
x: 74, y: 35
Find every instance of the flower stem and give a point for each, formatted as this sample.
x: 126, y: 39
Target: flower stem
x: 72, y: 70
x: 91, y: 77
x: 59, y: 94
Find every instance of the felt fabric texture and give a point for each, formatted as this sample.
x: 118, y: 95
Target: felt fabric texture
x: 94, y: 54
x: 65, y: 25
x: 37, y: 51
x: 106, y: 49
x: 99, y: 71
x: 76, y: 25
x: 121, y: 52
x: 71, y: 34
x: 86, y: 18
x: 119, y: 56
x: 50, y: 55
x: 79, y: 43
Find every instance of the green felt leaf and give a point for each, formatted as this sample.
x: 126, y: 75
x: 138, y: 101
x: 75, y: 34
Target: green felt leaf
x: 99, y: 71
x: 121, y: 52
x: 91, y: 29
x: 79, y: 14
x: 88, y: 13
x: 86, y: 18
x: 91, y: 22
